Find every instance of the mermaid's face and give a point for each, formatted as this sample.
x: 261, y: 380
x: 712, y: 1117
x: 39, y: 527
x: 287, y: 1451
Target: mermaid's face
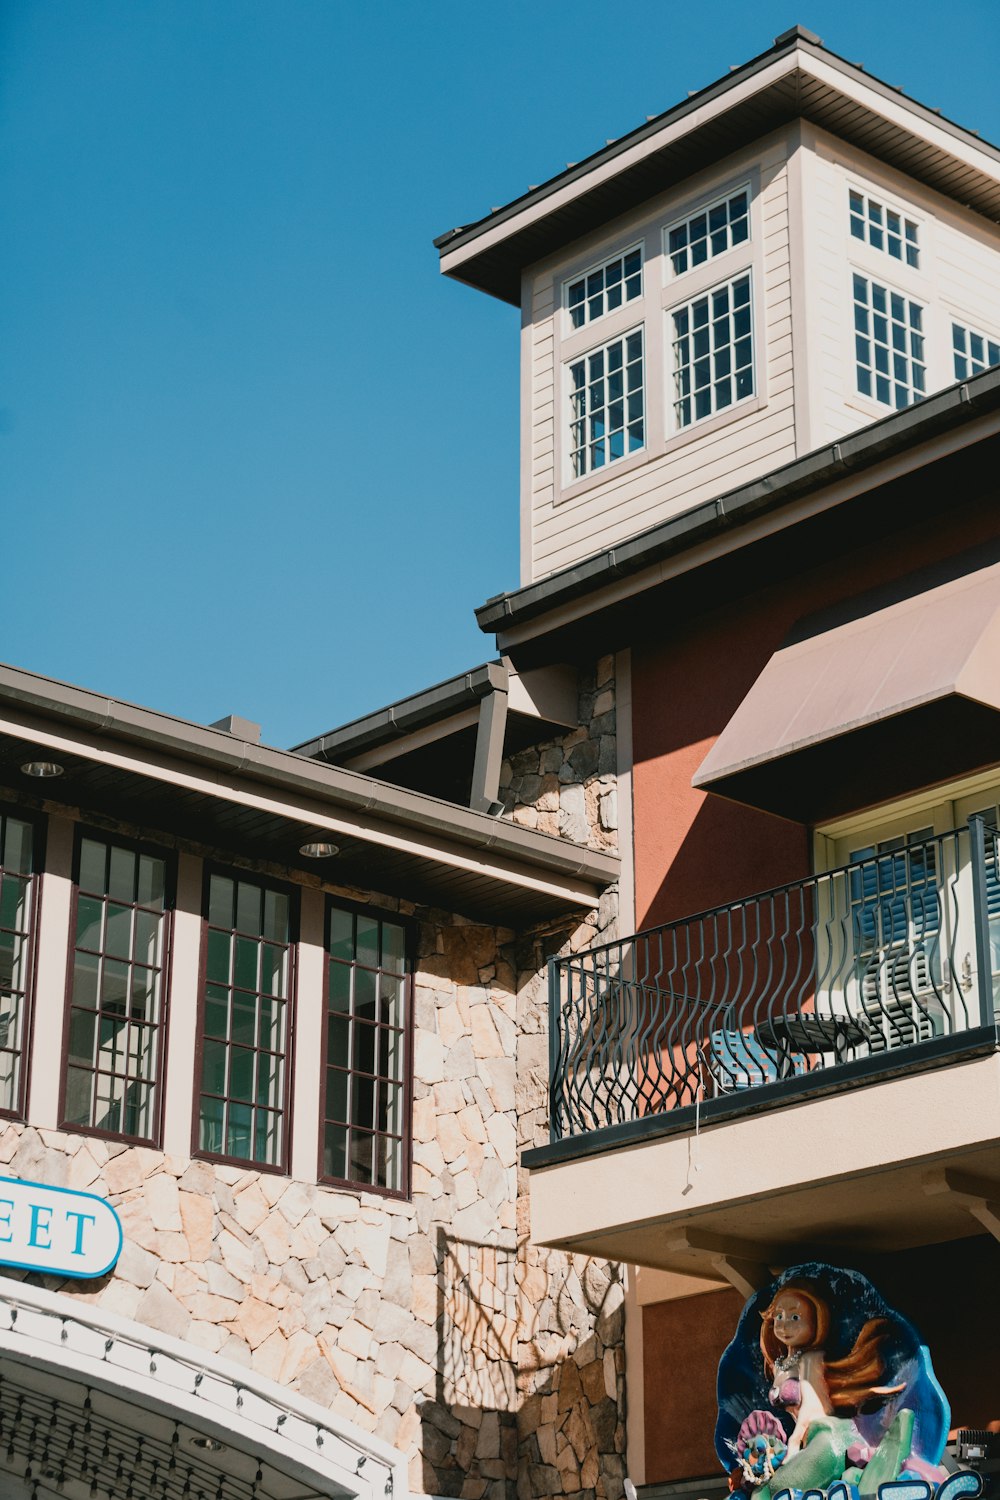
x: 794, y: 1321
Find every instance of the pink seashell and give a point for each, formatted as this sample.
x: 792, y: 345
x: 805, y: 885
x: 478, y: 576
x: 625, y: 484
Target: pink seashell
x: 760, y: 1423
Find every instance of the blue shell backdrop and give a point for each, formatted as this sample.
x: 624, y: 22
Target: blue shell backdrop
x: 743, y: 1384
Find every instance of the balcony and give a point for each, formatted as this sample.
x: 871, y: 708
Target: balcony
x: 828, y: 1031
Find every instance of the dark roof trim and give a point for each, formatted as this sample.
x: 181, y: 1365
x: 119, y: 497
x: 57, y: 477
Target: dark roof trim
x: 80, y: 710
x: 952, y: 408
x: 407, y: 714
x: 797, y: 39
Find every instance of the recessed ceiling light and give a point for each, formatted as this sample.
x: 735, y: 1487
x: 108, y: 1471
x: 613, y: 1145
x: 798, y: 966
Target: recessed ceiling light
x: 319, y: 850
x: 208, y: 1445
x: 42, y: 768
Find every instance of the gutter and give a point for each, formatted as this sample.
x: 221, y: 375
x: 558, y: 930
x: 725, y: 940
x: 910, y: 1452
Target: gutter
x: 898, y: 433
x: 400, y: 718
x: 81, y: 710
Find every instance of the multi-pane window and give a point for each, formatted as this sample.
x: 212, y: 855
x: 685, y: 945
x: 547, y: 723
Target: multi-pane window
x: 115, y: 1026
x: 366, y: 1068
x: 607, y: 287
x: 888, y: 344
x: 607, y: 404
x: 884, y: 228
x: 245, y: 1021
x: 712, y: 351
x: 896, y: 928
x: 973, y: 352
x: 17, y: 914
x: 709, y: 233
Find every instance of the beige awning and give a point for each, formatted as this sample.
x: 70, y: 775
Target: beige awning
x: 857, y: 711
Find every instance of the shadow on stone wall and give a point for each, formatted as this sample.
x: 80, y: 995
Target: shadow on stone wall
x: 530, y: 1393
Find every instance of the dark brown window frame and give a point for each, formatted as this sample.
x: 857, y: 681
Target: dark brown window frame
x: 39, y: 825
x: 169, y: 856
x: 409, y: 926
x: 254, y: 877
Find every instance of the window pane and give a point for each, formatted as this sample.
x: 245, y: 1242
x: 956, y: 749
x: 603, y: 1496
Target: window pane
x: 93, y: 863
x: 244, y: 1018
x: 17, y: 846
x: 152, y: 880
x: 365, y: 1084
x: 121, y: 878
x: 220, y: 901
x: 721, y: 321
x: 248, y: 906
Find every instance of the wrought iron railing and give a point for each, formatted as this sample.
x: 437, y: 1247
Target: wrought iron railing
x: 892, y: 951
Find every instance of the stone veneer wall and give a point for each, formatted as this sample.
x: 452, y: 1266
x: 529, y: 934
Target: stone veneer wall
x: 497, y: 1367
x: 571, y: 1367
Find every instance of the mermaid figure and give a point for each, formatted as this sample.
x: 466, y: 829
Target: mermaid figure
x: 821, y: 1395
x: 824, y: 1382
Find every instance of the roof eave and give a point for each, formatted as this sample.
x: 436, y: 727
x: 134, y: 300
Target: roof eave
x: 526, y: 612
x: 220, y: 754
x: 491, y: 253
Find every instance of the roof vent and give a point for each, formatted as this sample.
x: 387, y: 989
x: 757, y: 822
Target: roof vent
x: 240, y: 729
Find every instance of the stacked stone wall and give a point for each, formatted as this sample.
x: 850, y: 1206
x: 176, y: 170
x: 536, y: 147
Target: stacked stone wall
x: 571, y: 1364
x: 496, y: 1367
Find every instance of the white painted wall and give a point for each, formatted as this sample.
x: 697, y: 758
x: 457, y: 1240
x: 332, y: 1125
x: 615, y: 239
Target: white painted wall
x: 567, y: 519
x: 801, y: 256
x: 958, y: 277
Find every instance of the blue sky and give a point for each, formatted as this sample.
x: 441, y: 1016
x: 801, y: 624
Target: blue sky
x: 256, y: 454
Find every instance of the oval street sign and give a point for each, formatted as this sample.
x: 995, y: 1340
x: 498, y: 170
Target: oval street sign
x: 56, y: 1230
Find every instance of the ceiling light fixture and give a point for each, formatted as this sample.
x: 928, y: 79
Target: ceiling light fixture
x: 319, y: 850
x: 42, y: 768
x: 208, y: 1445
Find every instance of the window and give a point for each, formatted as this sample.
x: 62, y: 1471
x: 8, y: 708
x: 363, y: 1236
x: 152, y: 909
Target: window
x: 884, y: 228
x: 607, y: 404
x: 888, y: 344
x: 367, y: 1042
x: 709, y: 233
x: 602, y: 290
x: 245, y: 1023
x: 17, y: 919
x: 713, y: 351
x: 973, y: 352
x: 114, y: 1052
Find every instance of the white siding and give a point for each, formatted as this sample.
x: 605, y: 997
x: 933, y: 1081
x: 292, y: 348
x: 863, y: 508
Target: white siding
x: 676, y: 470
x: 958, y: 277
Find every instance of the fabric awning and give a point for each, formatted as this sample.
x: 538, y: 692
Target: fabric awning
x: 848, y: 713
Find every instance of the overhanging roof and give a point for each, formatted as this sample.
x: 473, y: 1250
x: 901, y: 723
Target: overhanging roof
x: 525, y: 620
x: 895, y: 685
x: 418, y: 711
x: 795, y: 78
x: 203, y: 784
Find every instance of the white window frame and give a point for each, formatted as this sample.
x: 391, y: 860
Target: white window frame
x: 887, y: 206
x: 636, y: 246
x: 943, y: 809
x: 676, y: 428
x: 634, y: 454
x: 957, y: 320
x: 871, y: 400
x: 687, y: 218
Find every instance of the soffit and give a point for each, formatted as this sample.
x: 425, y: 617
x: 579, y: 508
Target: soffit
x: 500, y: 890
x: 805, y: 81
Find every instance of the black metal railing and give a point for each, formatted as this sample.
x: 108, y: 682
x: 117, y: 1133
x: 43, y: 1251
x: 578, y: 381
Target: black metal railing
x: 890, y: 951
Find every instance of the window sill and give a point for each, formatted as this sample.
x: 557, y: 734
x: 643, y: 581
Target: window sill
x: 677, y: 440
x: 601, y: 476
x: 684, y: 435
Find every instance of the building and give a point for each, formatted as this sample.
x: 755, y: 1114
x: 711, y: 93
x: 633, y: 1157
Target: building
x: 760, y: 421
x: 277, y: 1015
x: 684, y: 909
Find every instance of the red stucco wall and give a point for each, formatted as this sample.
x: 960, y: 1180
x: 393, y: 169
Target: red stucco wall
x: 694, y: 850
